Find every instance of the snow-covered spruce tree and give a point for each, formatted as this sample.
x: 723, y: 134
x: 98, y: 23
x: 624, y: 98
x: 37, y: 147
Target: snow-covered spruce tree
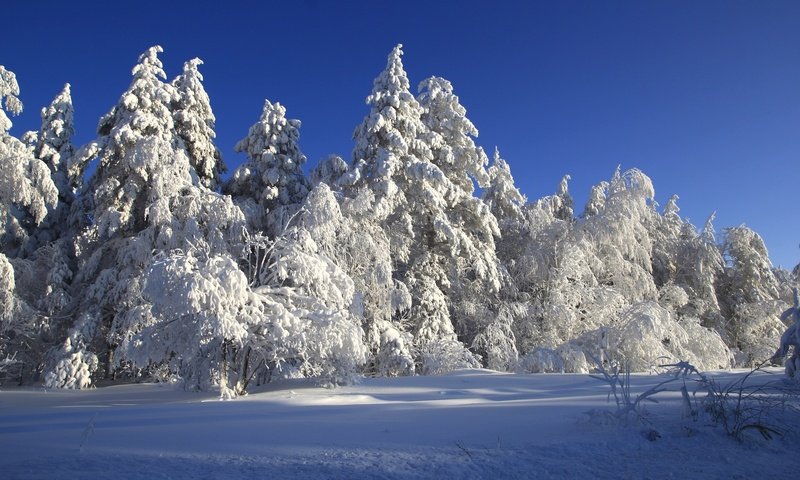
x: 397, y: 155
x: 50, y: 243
x: 145, y: 201
x: 26, y: 194
x: 749, y: 297
x: 331, y: 171
x: 194, y: 121
x: 504, y: 199
x: 26, y: 189
x: 391, y: 138
x: 390, y: 143
x: 53, y: 146
x: 469, y: 251
x: 270, y: 185
x: 507, y: 205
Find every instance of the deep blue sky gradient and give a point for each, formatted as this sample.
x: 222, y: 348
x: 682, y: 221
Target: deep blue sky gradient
x: 703, y: 96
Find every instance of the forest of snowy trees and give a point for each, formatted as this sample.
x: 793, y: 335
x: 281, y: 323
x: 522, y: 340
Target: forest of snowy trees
x: 418, y: 255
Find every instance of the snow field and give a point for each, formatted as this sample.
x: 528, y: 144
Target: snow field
x: 468, y: 424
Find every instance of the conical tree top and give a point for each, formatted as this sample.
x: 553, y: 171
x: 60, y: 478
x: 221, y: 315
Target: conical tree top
x: 392, y: 80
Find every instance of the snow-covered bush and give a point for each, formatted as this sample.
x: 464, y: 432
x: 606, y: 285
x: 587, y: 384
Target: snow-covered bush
x: 497, y: 343
x: 318, y: 330
x: 73, y: 371
x: 574, y: 358
x: 74, y: 365
x: 445, y: 355
x: 541, y: 360
x: 648, y: 336
x: 394, y: 357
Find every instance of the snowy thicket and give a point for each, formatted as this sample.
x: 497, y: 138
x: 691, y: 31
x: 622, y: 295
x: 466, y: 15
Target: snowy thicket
x: 391, y: 264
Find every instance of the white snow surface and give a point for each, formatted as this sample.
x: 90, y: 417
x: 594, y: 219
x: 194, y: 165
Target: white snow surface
x: 467, y: 424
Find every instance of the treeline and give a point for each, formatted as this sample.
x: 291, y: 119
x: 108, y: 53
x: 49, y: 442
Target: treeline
x: 157, y: 267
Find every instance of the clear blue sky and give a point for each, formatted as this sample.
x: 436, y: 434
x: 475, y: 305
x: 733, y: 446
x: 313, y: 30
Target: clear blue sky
x: 704, y: 97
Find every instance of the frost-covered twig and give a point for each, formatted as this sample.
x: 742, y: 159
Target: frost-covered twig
x: 619, y: 380
x: 739, y: 407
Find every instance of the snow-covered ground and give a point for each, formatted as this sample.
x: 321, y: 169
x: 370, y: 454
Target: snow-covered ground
x: 468, y: 424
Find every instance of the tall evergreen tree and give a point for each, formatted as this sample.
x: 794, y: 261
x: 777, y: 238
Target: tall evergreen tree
x: 26, y: 189
x: 145, y: 200
x: 270, y: 186
x: 420, y: 163
x: 504, y: 199
x: 194, y: 121
x: 54, y: 147
x: 473, y: 273
x: 27, y: 193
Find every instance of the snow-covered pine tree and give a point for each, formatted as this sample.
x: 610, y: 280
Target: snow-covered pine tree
x: 270, y: 185
x: 403, y: 161
x: 388, y: 140
x: 473, y: 268
x: 393, y: 152
x: 194, y: 121
x: 504, y: 199
x: 26, y: 189
x: 54, y: 147
x: 27, y: 193
x: 145, y: 201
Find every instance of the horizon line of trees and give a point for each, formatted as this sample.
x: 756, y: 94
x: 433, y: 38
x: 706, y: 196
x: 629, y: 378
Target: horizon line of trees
x: 156, y: 267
